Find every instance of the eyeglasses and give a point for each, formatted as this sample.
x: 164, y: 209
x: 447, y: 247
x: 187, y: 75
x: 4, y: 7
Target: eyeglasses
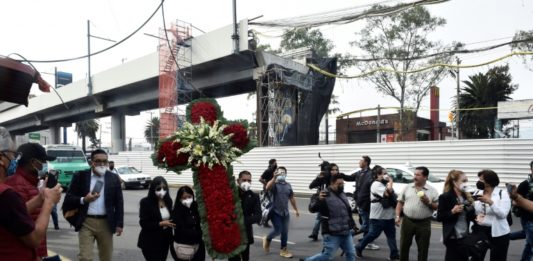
x: 100, y: 162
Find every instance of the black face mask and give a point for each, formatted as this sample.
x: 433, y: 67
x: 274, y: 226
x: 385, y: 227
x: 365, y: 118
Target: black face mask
x: 480, y: 185
x: 384, y: 181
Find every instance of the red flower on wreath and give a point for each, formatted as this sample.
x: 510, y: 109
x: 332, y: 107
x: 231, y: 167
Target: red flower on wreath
x: 203, y: 109
x: 168, y: 152
x: 240, y: 135
x: 220, y: 208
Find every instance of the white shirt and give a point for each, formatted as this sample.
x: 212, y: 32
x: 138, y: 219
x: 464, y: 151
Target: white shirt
x: 165, y: 215
x: 495, y: 214
x: 96, y: 207
x: 376, y: 209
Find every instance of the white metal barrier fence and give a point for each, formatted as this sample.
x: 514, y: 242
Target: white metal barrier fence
x: 510, y: 158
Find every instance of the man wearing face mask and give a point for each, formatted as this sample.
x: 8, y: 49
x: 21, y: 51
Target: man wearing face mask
x: 20, y: 235
x: 31, y: 166
x: 251, y: 210
x: 337, y: 221
x: 97, y: 196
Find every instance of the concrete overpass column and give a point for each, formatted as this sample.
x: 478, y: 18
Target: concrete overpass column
x: 118, y: 132
x: 55, y: 134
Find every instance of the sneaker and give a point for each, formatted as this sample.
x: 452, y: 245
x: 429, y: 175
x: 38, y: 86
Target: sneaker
x: 358, y: 252
x: 285, y: 253
x: 313, y: 237
x: 372, y: 247
x: 266, y: 244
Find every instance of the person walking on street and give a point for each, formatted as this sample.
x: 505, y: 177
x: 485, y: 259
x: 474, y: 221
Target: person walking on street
x: 525, y: 190
x: 337, y: 222
x: 251, y: 211
x: 363, y: 181
x: 188, y: 232
x: 112, y: 167
x: 20, y: 235
x: 282, y: 193
x: 32, y: 166
x: 97, y: 195
x: 320, y: 183
x: 492, y: 208
x: 455, y: 211
x: 154, y: 217
x: 417, y: 201
x: 267, y: 175
x: 381, y: 216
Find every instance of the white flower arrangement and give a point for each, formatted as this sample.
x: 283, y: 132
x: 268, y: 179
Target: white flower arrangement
x: 207, y: 144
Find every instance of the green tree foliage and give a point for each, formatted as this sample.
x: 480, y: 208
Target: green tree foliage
x: 85, y: 129
x: 526, y: 46
x: 398, y: 38
x: 482, y: 91
x: 151, y: 130
x: 306, y: 37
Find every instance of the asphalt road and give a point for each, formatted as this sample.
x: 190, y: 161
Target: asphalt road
x: 65, y: 240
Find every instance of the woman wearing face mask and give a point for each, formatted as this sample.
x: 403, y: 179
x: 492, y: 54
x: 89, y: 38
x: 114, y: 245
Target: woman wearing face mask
x: 154, y: 218
x: 492, y: 207
x: 187, y: 232
x: 381, y: 218
x: 455, y: 211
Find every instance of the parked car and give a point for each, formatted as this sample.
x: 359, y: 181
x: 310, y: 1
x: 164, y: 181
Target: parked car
x: 69, y: 160
x: 401, y: 175
x: 131, y: 177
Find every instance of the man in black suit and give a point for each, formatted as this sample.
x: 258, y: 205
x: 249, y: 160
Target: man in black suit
x: 251, y: 211
x: 97, y: 196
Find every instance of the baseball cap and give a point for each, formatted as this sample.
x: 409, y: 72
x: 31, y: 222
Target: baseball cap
x: 33, y: 150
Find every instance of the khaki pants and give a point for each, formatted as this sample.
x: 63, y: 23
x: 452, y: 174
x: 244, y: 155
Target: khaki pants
x: 91, y: 230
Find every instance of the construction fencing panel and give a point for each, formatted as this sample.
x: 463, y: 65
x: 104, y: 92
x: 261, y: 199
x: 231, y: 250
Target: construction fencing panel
x: 510, y: 158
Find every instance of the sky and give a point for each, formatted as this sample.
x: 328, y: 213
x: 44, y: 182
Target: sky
x: 49, y: 30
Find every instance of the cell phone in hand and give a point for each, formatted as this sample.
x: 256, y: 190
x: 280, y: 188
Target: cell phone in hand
x: 51, y: 182
x: 97, y: 187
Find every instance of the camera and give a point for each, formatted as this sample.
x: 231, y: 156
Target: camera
x: 476, y: 197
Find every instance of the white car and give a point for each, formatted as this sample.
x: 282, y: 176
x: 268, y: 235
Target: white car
x: 131, y: 177
x: 401, y: 175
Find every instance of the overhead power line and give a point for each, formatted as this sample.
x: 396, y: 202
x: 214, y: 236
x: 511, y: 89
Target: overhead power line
x: 381, y: 69
x: 105, y: 49
x: 342, y: 16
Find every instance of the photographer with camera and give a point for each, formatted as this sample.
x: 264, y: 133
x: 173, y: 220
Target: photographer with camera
x: 455, y: 210
x: 320, y: 183
x: 31, y: 168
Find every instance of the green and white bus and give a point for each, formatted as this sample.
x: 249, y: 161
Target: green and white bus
x: 70, y: 159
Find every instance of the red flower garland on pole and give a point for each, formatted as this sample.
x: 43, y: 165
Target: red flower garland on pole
x: 240, y: 135
x: 203, y: 109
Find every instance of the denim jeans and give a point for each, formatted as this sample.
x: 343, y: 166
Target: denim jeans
x: 281, y: 226
x: 331, y: 243
x: 364, y: 215
x: 376, y: 227
x: 528, y: 248
x: 316, y: 227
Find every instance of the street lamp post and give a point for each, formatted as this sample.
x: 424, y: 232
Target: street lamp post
x: 89, y: 80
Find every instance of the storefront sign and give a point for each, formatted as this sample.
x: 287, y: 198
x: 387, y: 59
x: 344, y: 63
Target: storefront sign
x: 371, y: 122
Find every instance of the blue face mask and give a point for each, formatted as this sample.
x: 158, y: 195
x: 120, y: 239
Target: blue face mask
x: 12, y: 165
x: 281, y: 178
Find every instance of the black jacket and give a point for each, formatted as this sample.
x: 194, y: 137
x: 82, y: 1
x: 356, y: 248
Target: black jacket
x: 363, y: 181
x: 152, y: 236
x: 447, y: 201
x: 114, y: 202
x: 251, y: 211
x: 187, y: 222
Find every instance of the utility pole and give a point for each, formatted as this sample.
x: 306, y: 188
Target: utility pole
x: 378, y: 125
x: 235, y: 35
x: 89, y: 81
x: 151, y: 131
x: 457, y: 113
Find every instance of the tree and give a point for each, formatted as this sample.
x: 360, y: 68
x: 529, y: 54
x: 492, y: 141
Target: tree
x: 85, y: 129
x: 482, y: 91
x: 393, y: 41
x: 525, y: 46
x: 306, y: 37
x: 332, y: 109
x: 151, y: 131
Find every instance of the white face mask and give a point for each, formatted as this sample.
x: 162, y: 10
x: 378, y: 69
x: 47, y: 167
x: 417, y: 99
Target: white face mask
x: 187, y: 202
x: 245, y: 186
x: 161, y: 193
x: 462, y: 187
x: 100, y: 170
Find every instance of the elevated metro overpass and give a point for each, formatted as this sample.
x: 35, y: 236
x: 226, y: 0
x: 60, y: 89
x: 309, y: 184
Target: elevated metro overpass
x: 133, y: 87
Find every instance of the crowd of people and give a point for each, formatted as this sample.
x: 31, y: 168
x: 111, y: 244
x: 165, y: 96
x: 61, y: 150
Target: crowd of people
x: 474, y: 222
